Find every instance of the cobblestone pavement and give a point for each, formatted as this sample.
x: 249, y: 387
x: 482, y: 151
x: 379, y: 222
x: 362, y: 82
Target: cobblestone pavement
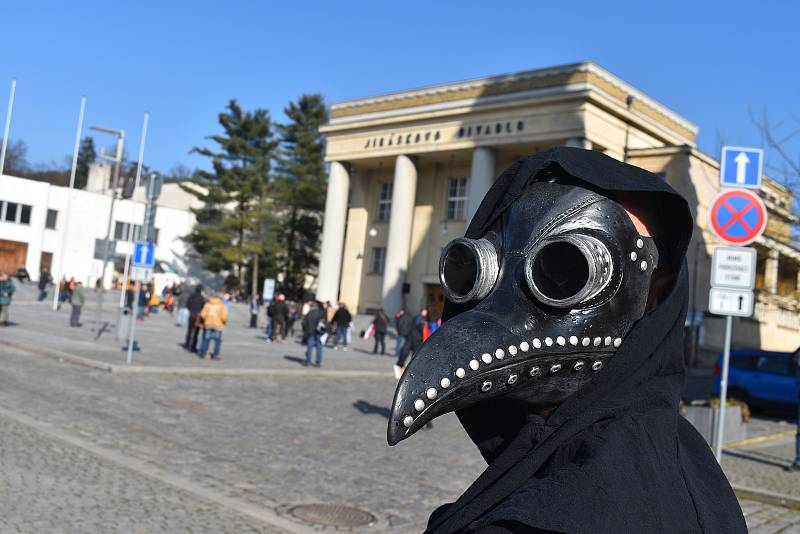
x: 206, y: 454
x: 49, y: 486
x: 767, y: 519
x: 262, y: 441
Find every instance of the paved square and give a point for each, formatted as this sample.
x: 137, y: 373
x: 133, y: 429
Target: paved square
x: 85, y: 450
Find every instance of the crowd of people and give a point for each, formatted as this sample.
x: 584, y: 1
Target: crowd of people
x: 321, y: 325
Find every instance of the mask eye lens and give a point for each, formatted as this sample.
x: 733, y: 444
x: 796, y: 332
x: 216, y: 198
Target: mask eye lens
x: 566, y: 270
x: 460, y: 269
x: 468, y: 269
x: 560, y: 271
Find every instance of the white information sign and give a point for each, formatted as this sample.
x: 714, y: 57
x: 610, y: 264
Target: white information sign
x: 141, y: 274
x: 736, y: 302
x: 269, y: 289
x: 734, y: 267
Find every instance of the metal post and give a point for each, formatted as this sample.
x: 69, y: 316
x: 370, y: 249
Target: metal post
x: 114, y: 185
x: 695, y: 323
x: 129, y: 238
x: 135, y: 303
x: 723, y: 388
x: 7, y: 127
x: 60, y: 262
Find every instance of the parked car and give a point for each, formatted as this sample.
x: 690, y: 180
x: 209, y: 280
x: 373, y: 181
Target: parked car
x: 761, y: 378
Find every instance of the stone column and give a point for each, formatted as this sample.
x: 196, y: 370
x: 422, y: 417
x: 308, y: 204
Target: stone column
x: 397, y: 248
x: 771, y: 271
x: 481, y: 178
x: 330, y: 256
x: 579, y: 142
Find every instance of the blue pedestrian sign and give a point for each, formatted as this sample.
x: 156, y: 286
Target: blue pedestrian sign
x: 144, y: 254
x: 741, y: 167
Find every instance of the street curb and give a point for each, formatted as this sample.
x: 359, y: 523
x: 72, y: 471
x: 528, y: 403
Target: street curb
x: 194, y: 371
x: 767, y: 497
x: 57, y: 354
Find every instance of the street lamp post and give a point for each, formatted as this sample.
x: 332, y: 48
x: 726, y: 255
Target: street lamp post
x: 99, y: 327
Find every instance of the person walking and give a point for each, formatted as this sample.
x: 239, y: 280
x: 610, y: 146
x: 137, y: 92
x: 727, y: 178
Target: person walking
x: 270, y: 328
x: 44, y: 280
x: 280, y: 315
x: 403, y: 324
x: 381, y: 323
x: 292, y: 318
x: 6, y: 294
x: 255, y: 304
x: 195, y: 306
x: 413, y: 341
x: 213, y: 317
x: 341, y: 320
x: 78, y: 300
x: 431, y: 324
x: 314, y: 325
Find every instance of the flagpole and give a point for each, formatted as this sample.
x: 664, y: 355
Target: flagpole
x: 8, y: 125
x: 131, y: 224
x: 60, y: 262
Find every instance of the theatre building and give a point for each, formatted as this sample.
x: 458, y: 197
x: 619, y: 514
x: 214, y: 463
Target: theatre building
x: 408, y: 170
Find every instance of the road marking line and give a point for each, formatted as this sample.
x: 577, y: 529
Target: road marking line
x: 758, y: 439
x: 259, y: 513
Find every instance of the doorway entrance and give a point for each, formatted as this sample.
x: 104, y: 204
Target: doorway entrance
x: 434, y: 298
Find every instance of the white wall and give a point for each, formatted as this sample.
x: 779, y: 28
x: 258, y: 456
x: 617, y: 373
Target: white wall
x: 88, y: 221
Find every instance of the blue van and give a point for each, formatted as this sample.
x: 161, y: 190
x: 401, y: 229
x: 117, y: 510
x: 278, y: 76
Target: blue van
x: 761, y: 378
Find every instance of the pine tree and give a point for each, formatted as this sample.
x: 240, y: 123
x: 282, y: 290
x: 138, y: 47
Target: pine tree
x: 301, y: 190
x: 86, y: 156
x: 235, y: 224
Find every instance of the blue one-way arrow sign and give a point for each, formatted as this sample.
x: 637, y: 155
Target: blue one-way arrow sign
x: 741, y: 167
x: 144, y: 254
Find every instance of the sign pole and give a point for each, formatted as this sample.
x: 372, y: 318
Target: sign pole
x: 723, y: 391
x: 140, y: 279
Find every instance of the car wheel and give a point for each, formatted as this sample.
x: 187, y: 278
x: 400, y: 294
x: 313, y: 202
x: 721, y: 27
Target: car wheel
x: 739, y: 394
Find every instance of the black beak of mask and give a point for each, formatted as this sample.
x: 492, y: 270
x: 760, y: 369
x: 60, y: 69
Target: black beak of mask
x: 549, y: 294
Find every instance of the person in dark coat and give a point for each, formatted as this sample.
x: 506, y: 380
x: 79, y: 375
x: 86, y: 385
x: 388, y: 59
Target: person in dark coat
x: 314, y: 325
x: 195, y: 305
x: 561, y: 354
x: 44, y: 280
x: 341, y: 321
x: 280, y: 317
x: 403, y: 323
x: 381, y: 323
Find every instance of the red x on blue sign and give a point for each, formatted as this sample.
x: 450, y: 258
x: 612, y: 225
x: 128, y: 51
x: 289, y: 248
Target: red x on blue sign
x: 737, y: 216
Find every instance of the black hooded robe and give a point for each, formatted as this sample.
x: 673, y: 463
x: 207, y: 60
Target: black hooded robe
x: 615, y: 457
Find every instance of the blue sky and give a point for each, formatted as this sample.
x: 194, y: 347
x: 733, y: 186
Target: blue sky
x: 711, y: 62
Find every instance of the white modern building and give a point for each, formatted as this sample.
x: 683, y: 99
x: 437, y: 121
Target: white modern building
x: 34, y: 225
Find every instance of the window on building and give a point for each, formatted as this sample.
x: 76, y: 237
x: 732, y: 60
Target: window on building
x: 52, y: 219
x: 25, y: 214
x: 121, y: 231
x: 11, y: 211
x: 456, y: 199
x: 385, y: 201
x: 378, y: 260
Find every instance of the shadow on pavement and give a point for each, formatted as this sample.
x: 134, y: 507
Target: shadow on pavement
x: 295, y: 359
x: 369, y: 408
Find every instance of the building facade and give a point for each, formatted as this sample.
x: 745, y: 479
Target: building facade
x: 33, y: 227
x: 408, y: 170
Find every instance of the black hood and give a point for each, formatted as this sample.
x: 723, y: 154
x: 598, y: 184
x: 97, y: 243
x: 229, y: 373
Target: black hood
x: 615, y: 456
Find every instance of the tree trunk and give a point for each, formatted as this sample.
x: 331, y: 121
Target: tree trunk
x: 289, y: 280
x: 254, y: 283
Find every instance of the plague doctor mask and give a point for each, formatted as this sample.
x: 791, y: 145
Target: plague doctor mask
x: 547, y: 295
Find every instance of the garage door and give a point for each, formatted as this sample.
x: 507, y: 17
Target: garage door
x: 12, y: 255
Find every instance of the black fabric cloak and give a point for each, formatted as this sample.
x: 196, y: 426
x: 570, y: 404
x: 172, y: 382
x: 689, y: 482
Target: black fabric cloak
x: 615, y: 457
